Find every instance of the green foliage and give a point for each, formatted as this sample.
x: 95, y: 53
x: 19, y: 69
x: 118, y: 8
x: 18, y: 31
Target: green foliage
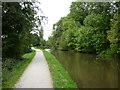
x: 84, y: 39
x: 12, y: 69
x: 35, y: 40
x: 97, y: 21
x: 17, y: 24
x: 63, y: 31
x: 63, y: 42
x: 78, y: 11
x: 107, y: 53
x: 60, y: 76
x: 114, y: 33
x: 19, y: 20
x: 87, y: 28
x: 100, y: 42
x: 90, y: 39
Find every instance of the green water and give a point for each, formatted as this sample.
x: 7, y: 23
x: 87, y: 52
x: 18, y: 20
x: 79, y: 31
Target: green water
x: 89, y: 70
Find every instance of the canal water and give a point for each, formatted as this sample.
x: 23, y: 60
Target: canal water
x: 89, y: 70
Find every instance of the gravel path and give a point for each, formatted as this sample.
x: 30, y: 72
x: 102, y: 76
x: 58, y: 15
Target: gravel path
x: 37, y: 74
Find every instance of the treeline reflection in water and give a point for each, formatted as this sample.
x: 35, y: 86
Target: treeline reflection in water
x: 89, y: 70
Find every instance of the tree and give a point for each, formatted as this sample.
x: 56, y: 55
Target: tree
x: 18, y: 22
x: 114, y: 33
x: 85, y: 28
x: 78, y: 11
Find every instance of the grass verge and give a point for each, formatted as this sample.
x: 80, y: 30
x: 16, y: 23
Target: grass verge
x: 13, y: 69
x: 60, y: 76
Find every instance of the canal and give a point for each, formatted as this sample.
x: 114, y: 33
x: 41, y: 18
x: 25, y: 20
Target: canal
x: 89, y: 70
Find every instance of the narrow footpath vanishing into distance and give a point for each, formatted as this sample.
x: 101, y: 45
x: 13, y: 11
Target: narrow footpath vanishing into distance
x: 37, y: 74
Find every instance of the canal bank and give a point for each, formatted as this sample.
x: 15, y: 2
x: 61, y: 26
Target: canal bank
x: 60, y: 77
x: 89, y: 70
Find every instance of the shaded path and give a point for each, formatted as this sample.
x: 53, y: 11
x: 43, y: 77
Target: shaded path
x: 37, y: 74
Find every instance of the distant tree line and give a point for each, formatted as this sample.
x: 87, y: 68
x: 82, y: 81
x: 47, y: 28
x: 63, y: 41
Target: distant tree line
x: 92, y: 27
x: 19, y: 20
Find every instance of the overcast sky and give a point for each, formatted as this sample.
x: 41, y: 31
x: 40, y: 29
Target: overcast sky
x: 54, y: 10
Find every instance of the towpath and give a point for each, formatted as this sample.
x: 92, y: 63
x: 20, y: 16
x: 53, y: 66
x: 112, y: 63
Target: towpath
x: 37, y: 74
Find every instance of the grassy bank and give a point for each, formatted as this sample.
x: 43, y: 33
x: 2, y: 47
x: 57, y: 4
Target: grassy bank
x: 13, y: 69
x: 60, y: 77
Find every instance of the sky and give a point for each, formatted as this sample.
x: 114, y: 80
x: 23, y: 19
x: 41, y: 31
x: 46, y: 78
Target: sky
x: 54, y: 10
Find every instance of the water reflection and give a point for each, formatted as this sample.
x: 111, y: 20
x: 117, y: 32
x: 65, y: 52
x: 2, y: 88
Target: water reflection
x: 88, y: 70
x: 48, y: 50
